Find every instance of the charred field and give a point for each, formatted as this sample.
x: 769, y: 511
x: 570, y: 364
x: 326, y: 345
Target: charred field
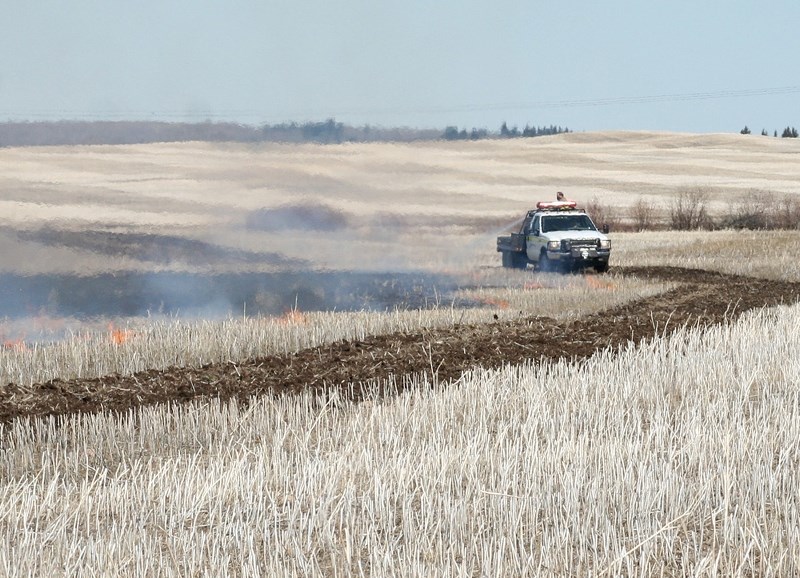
x: 126, y: 294
x: 700, y: 298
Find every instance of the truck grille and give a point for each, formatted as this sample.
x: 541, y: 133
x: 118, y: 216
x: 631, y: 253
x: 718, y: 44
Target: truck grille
x: 568, y: 244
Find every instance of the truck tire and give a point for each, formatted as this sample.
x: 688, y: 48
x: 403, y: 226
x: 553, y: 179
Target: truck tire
x: 601, y: 267
x: 544, y: 262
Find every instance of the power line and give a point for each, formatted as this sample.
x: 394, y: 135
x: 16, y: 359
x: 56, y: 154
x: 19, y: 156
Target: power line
x: 610, y: 101
x: 524, y: 105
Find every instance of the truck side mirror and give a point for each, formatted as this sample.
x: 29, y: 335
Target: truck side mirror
x: 606, y: 229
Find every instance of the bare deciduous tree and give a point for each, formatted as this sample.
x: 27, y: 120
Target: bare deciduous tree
x: 689, y: 210
x: 601, y: 214
x: 643, y: 214
x: 758, y: 209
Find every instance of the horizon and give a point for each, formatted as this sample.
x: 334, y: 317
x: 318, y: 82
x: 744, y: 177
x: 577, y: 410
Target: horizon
x: 491, y: 132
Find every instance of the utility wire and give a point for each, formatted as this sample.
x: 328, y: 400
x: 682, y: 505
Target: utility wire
x: 530, y: 105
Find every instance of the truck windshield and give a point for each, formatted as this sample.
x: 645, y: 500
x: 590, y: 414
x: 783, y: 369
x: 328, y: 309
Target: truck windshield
x: 567, y: 223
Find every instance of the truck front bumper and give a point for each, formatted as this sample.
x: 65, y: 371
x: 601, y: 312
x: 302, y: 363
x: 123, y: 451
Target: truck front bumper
x: 580, y: 256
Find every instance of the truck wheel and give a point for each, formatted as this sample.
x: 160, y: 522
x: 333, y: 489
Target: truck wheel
x: 601, y: 267
x: 544, y: 262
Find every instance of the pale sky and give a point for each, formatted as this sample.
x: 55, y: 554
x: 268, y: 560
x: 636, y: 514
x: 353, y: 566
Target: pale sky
x: 676, y: 65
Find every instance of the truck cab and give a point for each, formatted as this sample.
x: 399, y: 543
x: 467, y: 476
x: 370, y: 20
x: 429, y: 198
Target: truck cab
x: 556, y: 236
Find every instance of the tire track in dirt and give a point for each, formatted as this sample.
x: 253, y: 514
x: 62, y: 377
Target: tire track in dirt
x: 702, y: 298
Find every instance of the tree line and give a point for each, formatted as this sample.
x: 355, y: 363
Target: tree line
x: 453, y: 132
x: 42, y: 133
x: 788, y: 132
x: 66, y: 132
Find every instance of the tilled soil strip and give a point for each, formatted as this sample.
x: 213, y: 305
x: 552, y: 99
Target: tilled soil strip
x: 702, y: 298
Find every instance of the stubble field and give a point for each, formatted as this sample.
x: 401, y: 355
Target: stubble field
x: 449, y: 418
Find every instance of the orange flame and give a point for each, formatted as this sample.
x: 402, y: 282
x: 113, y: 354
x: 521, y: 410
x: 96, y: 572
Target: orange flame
x: 599, y: 283
x: 15, y: 345
x: 119, y: 336
x: 293, y: 317
x: 499, y: 303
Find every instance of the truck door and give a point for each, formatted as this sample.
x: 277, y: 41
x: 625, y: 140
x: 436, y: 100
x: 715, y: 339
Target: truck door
x: 533, y: 239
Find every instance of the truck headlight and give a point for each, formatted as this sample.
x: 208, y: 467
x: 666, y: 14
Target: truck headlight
x: 605, y: 243
x: 553, y: 245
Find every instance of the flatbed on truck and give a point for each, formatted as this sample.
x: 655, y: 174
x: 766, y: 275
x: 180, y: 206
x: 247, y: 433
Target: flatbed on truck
x: 556, y: 236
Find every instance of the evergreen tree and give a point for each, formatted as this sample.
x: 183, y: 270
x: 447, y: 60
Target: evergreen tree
x: 745, y: 130
x: 450, y: 133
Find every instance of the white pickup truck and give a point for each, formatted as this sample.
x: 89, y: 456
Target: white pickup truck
x: 556, y: 236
